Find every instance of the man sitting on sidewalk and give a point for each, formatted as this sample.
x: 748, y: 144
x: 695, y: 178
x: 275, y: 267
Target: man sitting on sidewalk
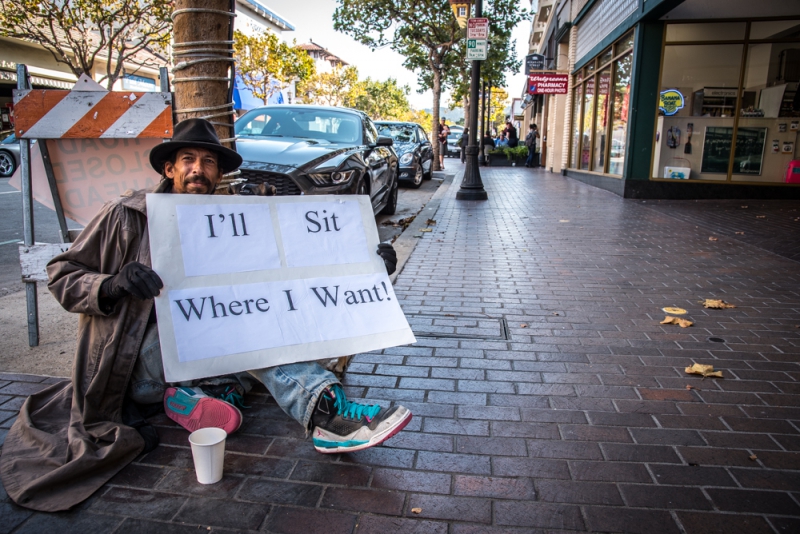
x: 71, y: 438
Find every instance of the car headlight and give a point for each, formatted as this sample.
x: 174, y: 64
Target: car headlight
x: 334, y: 178
x: 407, y: 158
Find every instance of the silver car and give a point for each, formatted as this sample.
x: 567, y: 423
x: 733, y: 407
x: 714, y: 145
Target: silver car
x: 9, y: 156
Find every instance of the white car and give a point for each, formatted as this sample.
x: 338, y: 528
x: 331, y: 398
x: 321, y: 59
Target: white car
x: 453, y: 150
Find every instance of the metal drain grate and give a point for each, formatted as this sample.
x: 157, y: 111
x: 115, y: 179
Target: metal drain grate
x: 459, y: 326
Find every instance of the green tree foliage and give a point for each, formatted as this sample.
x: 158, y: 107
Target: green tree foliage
x: 424, y: 32
x: 497, y: 109
x: 267, y: 64
x: 381, y: 100
x: 78, y: 33
x: 334, y: 88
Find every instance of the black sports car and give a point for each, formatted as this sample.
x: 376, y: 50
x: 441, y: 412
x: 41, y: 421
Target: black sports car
x: 318, y: 150
x: 412, y: 147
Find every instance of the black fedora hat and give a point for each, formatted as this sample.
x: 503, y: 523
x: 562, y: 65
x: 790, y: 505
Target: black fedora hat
x: 195, y: 133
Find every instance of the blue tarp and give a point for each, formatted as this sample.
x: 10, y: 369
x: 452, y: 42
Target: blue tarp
x: 243, y: 98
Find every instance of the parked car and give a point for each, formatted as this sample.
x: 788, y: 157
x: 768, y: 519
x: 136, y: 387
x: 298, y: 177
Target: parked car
x: 412, y: 147
x: 9, y: 156
x: 318, y: 150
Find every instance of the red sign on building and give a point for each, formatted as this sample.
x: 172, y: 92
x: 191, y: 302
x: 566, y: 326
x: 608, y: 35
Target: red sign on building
x: 548, y: 84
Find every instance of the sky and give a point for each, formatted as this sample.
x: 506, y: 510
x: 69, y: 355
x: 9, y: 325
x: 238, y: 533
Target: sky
x: 313, y: 20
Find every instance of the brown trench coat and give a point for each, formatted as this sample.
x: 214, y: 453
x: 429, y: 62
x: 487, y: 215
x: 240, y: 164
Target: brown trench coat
x: 69, y: 439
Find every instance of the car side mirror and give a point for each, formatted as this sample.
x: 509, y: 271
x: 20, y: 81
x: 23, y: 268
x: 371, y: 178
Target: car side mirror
x: 384, y: 141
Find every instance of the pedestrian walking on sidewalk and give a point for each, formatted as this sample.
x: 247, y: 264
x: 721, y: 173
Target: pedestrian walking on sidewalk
x: 530, y: 142
x: 73, y: 437
x: 462, y: 142
x: 444, y: 131
x: 511, y: 134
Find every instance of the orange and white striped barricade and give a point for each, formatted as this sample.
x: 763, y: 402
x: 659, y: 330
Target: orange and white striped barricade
x: 88, y: 111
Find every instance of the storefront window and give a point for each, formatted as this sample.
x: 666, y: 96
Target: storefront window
x: 774, y: 29
x: 619, y: 124
x: 576, y: 126
x: 605, y: 57
x: 586, y: 131
x: 601, y: 122
x: 696, y: 111
x: 626, y: 43
x: 733, y: 126
x: 721, y: 31
x: 600, y: 110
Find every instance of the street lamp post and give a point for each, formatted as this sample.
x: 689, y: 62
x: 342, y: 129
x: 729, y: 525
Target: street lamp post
x: 471, y: 185
x: 481, y: 157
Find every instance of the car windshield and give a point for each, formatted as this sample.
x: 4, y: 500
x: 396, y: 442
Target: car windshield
x: 11, y: 139
x: 402, y: 133
x: 321, y: 124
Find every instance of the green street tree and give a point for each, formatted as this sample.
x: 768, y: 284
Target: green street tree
x: 83, y: 33
x: 334, y: 88
x: 267, y: 64
x: 381, y: 100
x: 424, y: 32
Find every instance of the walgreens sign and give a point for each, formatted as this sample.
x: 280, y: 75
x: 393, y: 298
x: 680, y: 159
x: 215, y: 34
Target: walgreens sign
x: 548, y: 84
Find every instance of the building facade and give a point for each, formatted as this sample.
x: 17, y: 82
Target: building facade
x: 46, y: 73
x: 675, y: 98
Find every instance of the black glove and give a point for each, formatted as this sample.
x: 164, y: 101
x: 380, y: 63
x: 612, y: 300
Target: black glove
x: 386, y: 251
x: 261, y: 190
x: 133, y: 279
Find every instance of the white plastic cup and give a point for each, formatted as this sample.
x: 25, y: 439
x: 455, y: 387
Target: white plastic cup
x: 208, y: 451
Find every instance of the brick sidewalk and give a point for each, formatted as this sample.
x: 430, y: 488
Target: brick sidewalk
x: 546, y: 395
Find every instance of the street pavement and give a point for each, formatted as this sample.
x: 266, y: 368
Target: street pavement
x: 546, y: 394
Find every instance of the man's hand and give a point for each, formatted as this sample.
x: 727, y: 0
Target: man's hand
x: 386, y: 251
x: 133, y: 279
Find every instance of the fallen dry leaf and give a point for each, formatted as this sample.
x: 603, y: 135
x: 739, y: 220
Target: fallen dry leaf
x: 761, y: 216
x: 704, y: 370
x: 416, y: 510
x: 739, y: 233
x: 717, y: 304
x: 683, y: 323
x: 753, y: 457
x: 426, y: 230
x: 430, y: 222
x: 712, y: 239
x: 690, y: 387
x: 564, y: 220
x: 449, y: 315
x: 674, y: 311
x: 523, y: 325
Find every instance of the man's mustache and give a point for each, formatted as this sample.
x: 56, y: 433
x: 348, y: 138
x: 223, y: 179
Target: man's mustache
x: 199, y: 179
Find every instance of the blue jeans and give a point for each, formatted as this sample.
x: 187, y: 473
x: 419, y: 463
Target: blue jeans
x: 296, y: 387
x: 531, y: 157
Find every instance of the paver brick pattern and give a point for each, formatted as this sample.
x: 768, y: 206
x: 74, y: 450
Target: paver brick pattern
x: 581, y: 420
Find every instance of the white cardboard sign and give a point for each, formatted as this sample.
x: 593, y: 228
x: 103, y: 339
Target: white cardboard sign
x: 254, y: 282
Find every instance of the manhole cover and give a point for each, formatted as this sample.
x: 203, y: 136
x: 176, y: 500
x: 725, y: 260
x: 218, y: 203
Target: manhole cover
x: 458, y: 326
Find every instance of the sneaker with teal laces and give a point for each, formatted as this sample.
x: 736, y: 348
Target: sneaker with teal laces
x: 193, y: 409
x: 341, y: 425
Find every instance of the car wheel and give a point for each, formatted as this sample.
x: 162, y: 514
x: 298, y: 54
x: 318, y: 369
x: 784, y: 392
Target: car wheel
x: 7, y: 164
x: 417, y: 178
x: 428, y: 175
x: 391, y: 203
x: 361, y: 189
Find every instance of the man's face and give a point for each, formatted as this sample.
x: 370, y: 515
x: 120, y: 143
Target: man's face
x: 196, y: 171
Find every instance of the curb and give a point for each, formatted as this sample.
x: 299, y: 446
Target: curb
x: 405, y: 244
